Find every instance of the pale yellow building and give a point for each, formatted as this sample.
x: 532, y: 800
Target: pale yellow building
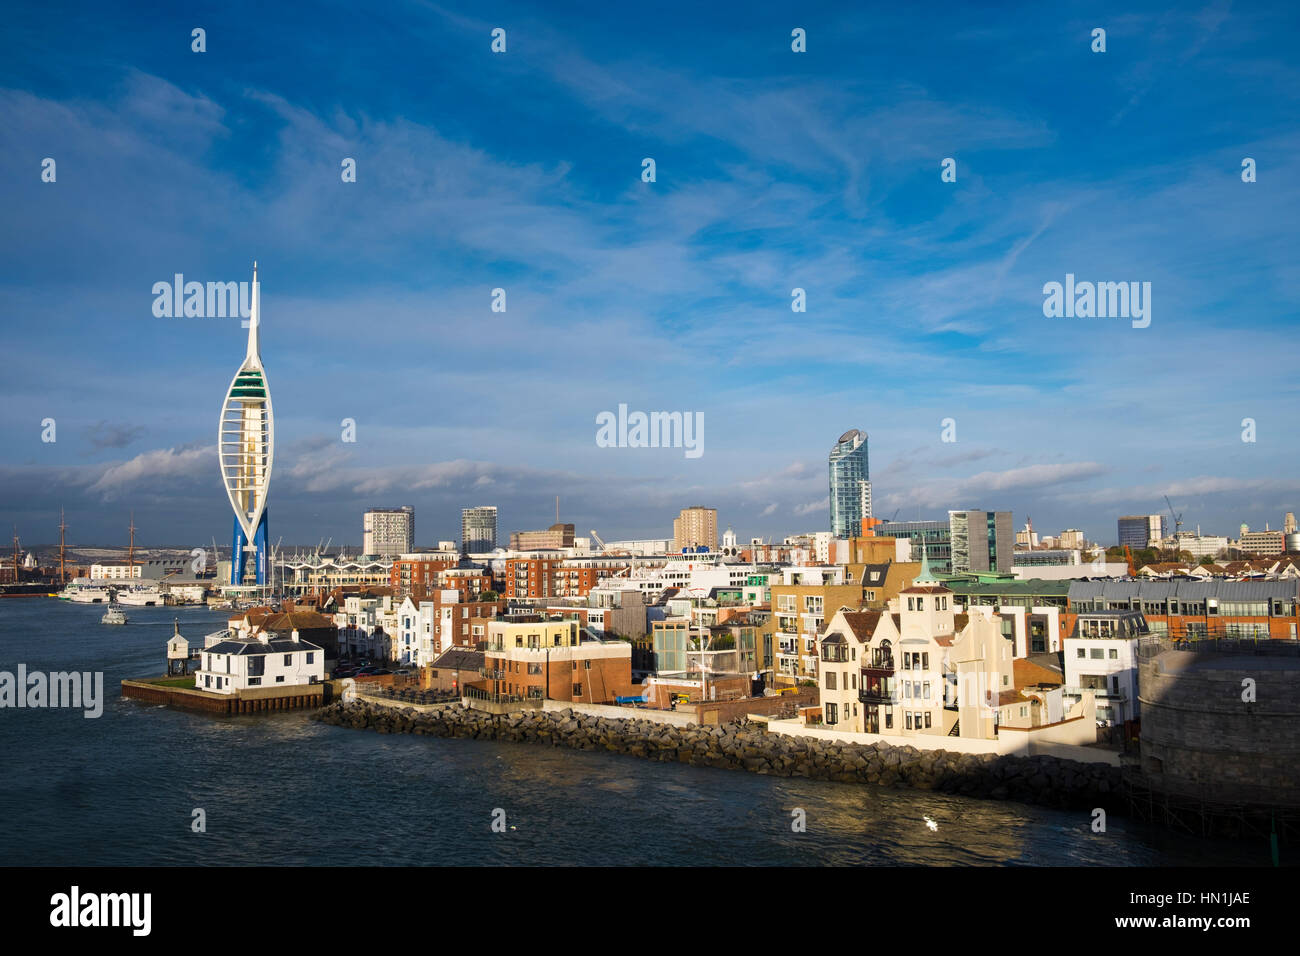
x: 696, y: 527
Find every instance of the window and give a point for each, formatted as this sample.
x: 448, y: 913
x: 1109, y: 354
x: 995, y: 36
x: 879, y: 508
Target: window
x: 1095, y: 653
x: 577, y: 690
x: 280, y: 679
x: 253, y: 681
x: 1081, y: 653
x: 926, y: 688
x: 1114, y: 653
x: 832, y: 714
x: 830, y: 681
x: 927, y: 720
x: 909, y: 720
x: 925, y: 661
x: 311, y: 657
x: 288, y: 660
x: 889, y: 718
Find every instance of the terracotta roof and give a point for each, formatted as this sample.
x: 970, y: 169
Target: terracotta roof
x: 959, y: 622
x: 944, y: 640
x: 1010, y: 697
x: 863, y: 623
x: 1025, y: 673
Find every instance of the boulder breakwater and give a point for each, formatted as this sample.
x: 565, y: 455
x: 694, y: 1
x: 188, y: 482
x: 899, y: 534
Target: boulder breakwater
x: 744, y: 745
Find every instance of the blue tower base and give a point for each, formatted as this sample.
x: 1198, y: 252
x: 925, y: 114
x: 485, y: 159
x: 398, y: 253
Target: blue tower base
x: 238, y: 557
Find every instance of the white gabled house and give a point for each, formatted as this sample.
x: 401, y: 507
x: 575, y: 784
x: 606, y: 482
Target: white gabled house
x: 231, y: 663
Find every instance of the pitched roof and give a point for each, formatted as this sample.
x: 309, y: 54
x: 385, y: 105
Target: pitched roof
x: 863, y: 623
x: 1026, y: 674
x: 252, y: 647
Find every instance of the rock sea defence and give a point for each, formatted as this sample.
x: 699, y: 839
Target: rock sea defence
x: 744, y: 745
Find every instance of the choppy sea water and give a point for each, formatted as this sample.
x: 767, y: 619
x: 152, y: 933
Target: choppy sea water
x: 281, y: 789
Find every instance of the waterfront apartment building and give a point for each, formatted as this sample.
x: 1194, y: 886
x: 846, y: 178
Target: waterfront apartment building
x: 417, y: 574
x: 1141, y: 531
x: 1101, y: 657
x: 555, y: 537
x: 850, y: 484
x: 1196, y: 610
x: 696, y: 527
x: 478, y: 529
x: 550, y: 660
x: 981, y: 540
x: 387, y: 532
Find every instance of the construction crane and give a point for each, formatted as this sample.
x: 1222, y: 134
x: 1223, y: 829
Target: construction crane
x: 1178, y: 524
x: 595, y: 537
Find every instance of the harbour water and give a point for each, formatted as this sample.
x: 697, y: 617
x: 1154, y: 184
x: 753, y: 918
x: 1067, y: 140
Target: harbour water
x: 282, y: 789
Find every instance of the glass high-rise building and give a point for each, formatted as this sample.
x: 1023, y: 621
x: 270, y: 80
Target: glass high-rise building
x: 478, y: 529
x: 850, y: 484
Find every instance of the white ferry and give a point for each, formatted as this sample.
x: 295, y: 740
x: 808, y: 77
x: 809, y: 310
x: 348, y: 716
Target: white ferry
x: 140, y: 595
x: 83, y: 592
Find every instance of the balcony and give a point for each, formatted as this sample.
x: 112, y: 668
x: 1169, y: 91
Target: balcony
x: 492, y: 673
x: 876, y: 695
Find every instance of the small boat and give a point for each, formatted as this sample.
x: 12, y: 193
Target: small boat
x: 113, y: 616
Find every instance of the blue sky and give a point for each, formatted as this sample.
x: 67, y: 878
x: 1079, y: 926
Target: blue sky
x: 775, y: 170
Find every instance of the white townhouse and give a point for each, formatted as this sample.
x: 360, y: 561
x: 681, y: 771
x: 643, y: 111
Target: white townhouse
x: 416, y: 642
x: 1101, y: 656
